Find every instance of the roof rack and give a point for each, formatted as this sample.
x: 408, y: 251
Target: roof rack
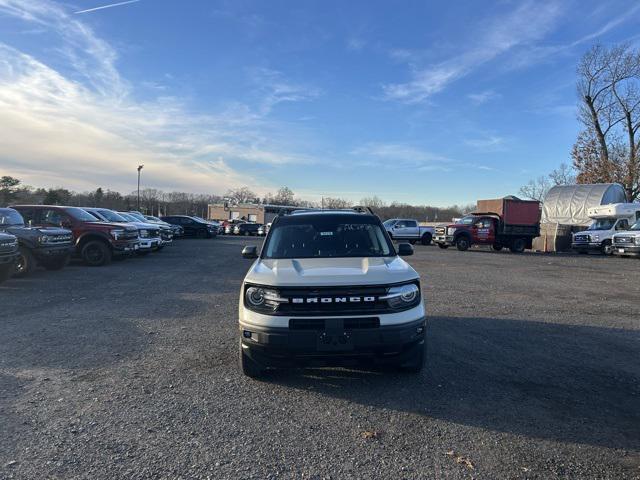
x: 356, y: 209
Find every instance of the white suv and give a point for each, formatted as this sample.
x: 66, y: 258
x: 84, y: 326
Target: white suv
x: 329, y: 288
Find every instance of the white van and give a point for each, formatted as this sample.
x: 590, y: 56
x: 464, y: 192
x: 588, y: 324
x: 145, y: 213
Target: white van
x: 607, y: 221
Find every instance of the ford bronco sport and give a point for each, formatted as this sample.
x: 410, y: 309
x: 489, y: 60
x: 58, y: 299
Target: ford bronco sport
x: 8, y: 255
x: 329, y: 288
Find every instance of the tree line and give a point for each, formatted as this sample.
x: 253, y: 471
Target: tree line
x: 157, y: 202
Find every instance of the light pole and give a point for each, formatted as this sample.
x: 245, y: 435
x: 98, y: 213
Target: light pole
x: 140, y: 167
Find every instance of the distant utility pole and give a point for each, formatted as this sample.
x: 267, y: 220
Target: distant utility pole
x: 140, y: 167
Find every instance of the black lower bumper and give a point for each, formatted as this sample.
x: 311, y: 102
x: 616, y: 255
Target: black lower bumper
x: 53, y: 251
x: 125, y: 248
x: 282, y: 347
x: 586, y: 247
x: 633, y: 251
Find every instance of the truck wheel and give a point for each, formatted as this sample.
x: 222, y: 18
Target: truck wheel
x: 6, y: 271
x: 606, y: 248
x: 248, y: 366
x: 96, y: 253
x: 496, y: 247
x: 462, y: 244
x: 25, y: 264
x: 426, y: 239
x: 443, y: 246
x: 57, y: 263
x: 518, y: 245
x: 415, y: 362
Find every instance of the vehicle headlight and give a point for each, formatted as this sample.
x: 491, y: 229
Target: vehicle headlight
x: 117, y: 233
x: 44, y: 239
x: 636, y: 240
x: 451, y: 231
x: 143, y: 233
x: 262, y: 299
x: 402, y: 296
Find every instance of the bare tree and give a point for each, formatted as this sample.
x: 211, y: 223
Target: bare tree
x: 241, y: 195
x: 536, y: 189
x: 330, y: 202
x: 373, y: 202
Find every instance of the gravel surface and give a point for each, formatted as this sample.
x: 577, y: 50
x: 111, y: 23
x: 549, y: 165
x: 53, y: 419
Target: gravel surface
x: 129, y: 371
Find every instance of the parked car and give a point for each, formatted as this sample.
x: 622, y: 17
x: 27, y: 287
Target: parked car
x: 166, y: 232
x: 49, y: 247
x: 149, y: 233
x: 148, y: 237
x: 320, y: 306
x: 246, y: 229
x: 229, y: 225
x: 96, y: 242
x: 192, y: 227
x: 8, y: 255
x: 177, y: 230
x: 408, y: 230
x: 628, y: 243
x: 264, y: 229
x: 503, y: 222
x: 607, y: 220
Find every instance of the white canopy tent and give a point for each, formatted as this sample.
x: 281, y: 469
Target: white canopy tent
x: 568, y: 204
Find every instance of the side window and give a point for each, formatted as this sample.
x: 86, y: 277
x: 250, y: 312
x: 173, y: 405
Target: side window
x: 28, y: 214
x: 622, y: 225
x: 400, y: 224
x: 411, y: 223
x: 51, y: 217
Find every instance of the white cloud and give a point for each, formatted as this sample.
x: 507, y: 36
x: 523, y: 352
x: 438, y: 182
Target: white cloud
x: 481, y: 98
x: 83, y: 128
x: 490, y: 142
x: 527, y: 23
x: 399, y: 156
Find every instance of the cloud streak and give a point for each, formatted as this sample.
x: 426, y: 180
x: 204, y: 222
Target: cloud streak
x: 106, y: 6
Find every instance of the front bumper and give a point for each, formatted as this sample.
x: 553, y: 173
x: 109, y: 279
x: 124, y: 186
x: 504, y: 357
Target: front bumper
x: 586, y: 247
x: 334, y: 345
x: 52, y: 251
x: 149, y: 244
x: 123, y: 247
x: 626, y: 249
x: 443, y: 239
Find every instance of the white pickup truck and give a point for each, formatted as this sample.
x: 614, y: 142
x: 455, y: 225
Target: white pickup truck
x: 405, y: 229
x: 608, y: 220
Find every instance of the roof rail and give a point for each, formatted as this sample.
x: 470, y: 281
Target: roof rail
x: 357, y: 209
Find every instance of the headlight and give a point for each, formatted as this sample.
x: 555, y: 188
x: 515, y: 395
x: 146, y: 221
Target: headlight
x: 636, y: 240
x: 262, y: 299
x: 451, y: 231
x: 117, y: 233
x: 143, y: 233
x: 402, y: 296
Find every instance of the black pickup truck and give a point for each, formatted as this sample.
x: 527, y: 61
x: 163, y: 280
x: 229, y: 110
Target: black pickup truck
x: 8, y: 255
x: 50, y: 247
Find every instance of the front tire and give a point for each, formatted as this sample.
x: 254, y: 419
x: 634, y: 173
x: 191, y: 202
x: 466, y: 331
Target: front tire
x: 96, y: 254
x: 426, y: 239
x: 518, y: 245
x: 463, y: 244
x: 248, y: 366
x: 25, y: 264
x: 606, y: 248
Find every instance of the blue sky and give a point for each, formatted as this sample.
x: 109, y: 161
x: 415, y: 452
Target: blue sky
x: 420, y: 102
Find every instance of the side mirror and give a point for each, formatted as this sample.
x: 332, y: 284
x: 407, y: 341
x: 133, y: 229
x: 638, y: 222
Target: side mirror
x: 405, y: 249
x: 250, y: 252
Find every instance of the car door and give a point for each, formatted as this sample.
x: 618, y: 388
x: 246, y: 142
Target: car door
x: 411, y: 229
x: 399, y: 229
x: 190, y: 226
x: 483, y: 231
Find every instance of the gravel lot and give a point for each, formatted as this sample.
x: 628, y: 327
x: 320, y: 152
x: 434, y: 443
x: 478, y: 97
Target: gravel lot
x: 129, y: 371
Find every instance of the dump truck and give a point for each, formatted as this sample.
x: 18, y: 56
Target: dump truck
x: 500, y: 223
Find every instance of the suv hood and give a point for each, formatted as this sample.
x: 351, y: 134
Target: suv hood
x: 331, y: 271
x: 17, y: 229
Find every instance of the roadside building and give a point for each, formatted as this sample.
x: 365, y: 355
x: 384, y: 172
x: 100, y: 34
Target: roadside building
x: 250, y: 212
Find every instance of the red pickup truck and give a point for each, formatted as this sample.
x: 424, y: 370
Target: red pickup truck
x: 96, y: 242
x: 503, y: 222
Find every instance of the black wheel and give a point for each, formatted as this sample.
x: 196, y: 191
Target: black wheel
x: 496, y: 247
x: 96, y: 253
x: 201, y: 234
x: 606, y: 248
x: 57, y: 263
x: 25, y: 264
x: 426, y: 239
x: 249, y: 367
x: 462, y: 244
x: 6, y: 271
x: 415, y: 361
x: 518, y: 245
x: 443, y: 246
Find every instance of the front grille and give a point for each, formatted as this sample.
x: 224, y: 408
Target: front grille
x: 154, y: 233
x: 8, y: 246
x: 130, y: 234
x: 60, y: 239
x: 340, y: 300
x: 440, y: 230
x: 319, y: 324
x: 166, y: 235
x: 582, y: 238
x: 623, y: 240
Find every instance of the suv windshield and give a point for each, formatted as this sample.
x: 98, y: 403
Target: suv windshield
x: 10, y: 217
x: 323, y: 236
x: 602, y: 224
x: 80, y: 214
